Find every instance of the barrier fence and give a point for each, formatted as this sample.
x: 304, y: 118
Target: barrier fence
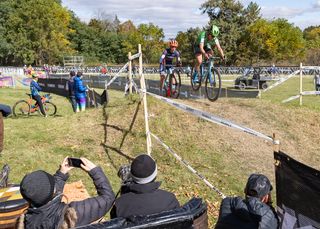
x: 303, y: 218
x: 302, y: 93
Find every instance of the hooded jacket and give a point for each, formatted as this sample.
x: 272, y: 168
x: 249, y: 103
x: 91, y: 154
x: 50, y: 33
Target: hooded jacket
x: 251, y: 213
x: 79, y: 88
x: 143, y: 199
x: 56, y: 214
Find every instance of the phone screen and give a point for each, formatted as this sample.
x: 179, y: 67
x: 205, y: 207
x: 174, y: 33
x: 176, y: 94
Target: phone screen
x: 74, y: 162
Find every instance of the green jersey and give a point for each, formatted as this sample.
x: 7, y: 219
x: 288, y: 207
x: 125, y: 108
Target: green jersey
x: 203, y: 38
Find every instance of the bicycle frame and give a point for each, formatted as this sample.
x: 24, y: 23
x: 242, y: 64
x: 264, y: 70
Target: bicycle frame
x: 33, y: 106
x: 207, y: 72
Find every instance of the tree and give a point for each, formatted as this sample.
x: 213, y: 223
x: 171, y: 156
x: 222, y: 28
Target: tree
x: 312, y: 37
x: 186, y: 42
x: 232, y: 21
x: 37, y: 31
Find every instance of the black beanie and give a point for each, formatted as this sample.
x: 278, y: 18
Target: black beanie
x: 37, y: 188
x: 143, y: 169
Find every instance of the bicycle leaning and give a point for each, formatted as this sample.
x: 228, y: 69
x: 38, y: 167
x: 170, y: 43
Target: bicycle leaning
x: 172, y: 82
x: 26, y: 107
x: 212, y: 78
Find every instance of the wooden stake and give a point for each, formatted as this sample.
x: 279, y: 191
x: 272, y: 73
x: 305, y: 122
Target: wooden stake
x: 143, y: 88
x: 130, y: 73
x: 300, y: 85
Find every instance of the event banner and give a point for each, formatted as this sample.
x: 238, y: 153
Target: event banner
x: 60, y: 87
x: 298, y: 193
x: 6, y: 81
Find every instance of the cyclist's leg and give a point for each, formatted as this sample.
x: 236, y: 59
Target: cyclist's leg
x: 196, y: 71
x: 209, y: 51
x: 162, y: 77
x: 39, y: 103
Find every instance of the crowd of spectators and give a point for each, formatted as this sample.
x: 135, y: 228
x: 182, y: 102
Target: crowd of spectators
x: 140, y: 194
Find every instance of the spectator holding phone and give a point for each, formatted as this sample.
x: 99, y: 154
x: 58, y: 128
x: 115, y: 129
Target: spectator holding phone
x: 44, y: 193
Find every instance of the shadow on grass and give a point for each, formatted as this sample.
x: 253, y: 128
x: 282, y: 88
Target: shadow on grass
x: 124, y: 131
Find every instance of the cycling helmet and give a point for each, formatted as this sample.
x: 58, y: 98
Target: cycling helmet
x: 173, y: 43
x: 215, y: 31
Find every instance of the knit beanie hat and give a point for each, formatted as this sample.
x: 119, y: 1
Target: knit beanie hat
x: 143, y: 169
x: 258, y: 185
x: 37, y: 188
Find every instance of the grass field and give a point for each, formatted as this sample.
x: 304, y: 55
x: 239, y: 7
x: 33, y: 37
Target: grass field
x: 111, y: 136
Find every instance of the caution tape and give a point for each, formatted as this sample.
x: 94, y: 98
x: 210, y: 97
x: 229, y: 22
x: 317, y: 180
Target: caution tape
x: 185, y: 163
x: 117, y: 75
x: 281, y: 81
x: 302, y: 93
x: 211, y: 118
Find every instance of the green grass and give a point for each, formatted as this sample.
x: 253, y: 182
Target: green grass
x: 225, y: 157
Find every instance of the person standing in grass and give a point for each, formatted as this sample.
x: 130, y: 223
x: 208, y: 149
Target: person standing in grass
x: 80, y: 92
x: 317, y: 80
x: 72, y: 97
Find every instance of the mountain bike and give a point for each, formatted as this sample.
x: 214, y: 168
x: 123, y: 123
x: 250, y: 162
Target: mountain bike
x: 172, y: 82
x: 26, y: 107
x: 212, y: 78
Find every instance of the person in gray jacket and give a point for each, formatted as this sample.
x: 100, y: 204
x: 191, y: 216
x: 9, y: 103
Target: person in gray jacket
x: 255, y: 211
x: 44, y: 193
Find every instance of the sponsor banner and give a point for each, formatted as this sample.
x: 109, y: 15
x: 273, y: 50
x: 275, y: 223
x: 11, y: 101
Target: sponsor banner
x: 60, y: 87
x: 7, y: 81
x: 186, y: 92
x: 298, y: 193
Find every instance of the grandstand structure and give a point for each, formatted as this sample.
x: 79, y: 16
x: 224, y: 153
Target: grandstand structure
x: 74, y: 61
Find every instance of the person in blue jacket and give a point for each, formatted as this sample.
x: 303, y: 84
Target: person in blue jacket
x: 80, y: 92
x: 35, y: 88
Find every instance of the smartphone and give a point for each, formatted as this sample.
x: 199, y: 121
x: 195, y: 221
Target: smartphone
x: 74, y: 162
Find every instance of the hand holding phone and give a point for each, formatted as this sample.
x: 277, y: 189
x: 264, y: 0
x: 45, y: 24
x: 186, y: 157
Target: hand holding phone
x: 74, y: 162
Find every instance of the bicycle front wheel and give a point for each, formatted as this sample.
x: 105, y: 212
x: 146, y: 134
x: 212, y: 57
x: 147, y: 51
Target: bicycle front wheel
x: 50, y: 108
x: 21, y: 108
x: 175, y: 84
x: 213, y: 85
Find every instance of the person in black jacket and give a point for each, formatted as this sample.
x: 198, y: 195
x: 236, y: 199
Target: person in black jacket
x: 142, y: 196
x: 44, y: 193
x: 255, y: 211
x: 4, y: 112
x: 72, y: 97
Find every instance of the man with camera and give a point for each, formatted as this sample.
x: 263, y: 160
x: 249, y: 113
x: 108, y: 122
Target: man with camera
x: 44, y: 193
x: 140, y: 194
x: 255, y: 211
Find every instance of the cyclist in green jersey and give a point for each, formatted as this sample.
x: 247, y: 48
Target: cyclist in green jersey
x: 203, y: 47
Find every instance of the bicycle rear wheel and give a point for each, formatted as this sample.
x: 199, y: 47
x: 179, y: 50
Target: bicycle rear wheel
x: 21, y: 108
x: 213, y: 85
x: 175, y: 84
x: 50, y: 108
x: 195, y: 85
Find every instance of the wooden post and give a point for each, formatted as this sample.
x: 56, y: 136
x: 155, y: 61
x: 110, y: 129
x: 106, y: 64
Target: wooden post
x: 143, y: 88
x: 130, y: 73
x: 276, y: 143
x: 140, y: 60
x: 300, y: 84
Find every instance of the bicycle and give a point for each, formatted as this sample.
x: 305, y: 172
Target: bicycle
x: 26, y: 107
x: 212, y: 79
x: 172, y: 82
